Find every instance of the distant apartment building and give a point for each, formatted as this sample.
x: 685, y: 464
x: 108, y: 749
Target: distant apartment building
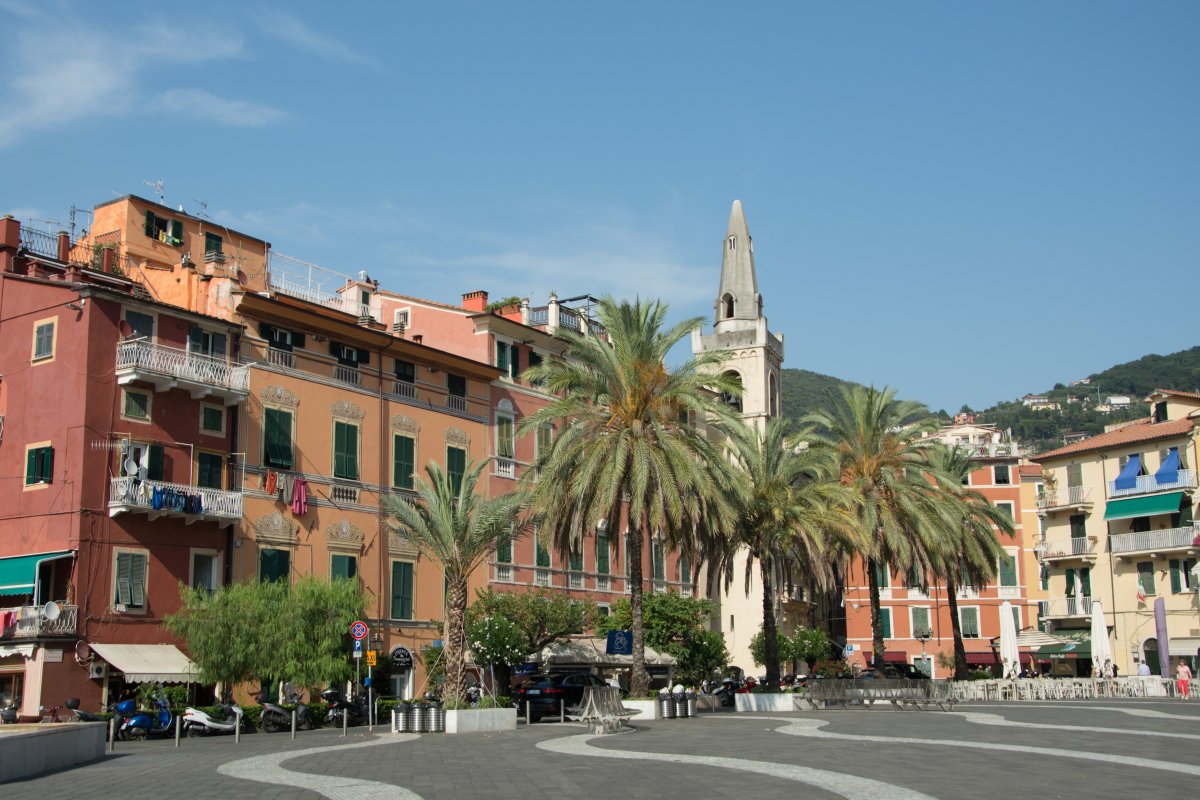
x: 1039, y: 402
x: 915, y: 608
x: 1118, y: 514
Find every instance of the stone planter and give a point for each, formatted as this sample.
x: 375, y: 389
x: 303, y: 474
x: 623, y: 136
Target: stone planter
x: 649, y: 709
x: 481, y: 720
x: 774, y: 702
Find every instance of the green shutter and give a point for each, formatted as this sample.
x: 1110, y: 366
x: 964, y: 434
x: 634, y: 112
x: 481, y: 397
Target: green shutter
x: 602, y: 553
x: 1008, y: 570
x: 882, y: 575
x: 576, y: 561
x: 543, y: 555
x: 345, y: 451
x: 402, y: 466
x: 208, y: 471
x: 515, y: 368
x: 274, y: 565
x: 685, y: 571
x: 1145, y: 571
x: 32, y: 473
x: 176, y: 232
x: 504, y: 550
x: 885, y: 617
x: 502, y: 357
x: 278, y: 426
x: 1085, y: 577
x: 1069, y: 574
x: 920, y: 620
x: 1176, y: 583
x: 504, y: 437
x: 149, y: 226
x: 456, y: 466
x: 154, y: 468
x: 402, y: 590
x: 123, y: 588
x: 137, y: 580
x: 343, y: 567
x: 659, y: 556
x: 352, y: 451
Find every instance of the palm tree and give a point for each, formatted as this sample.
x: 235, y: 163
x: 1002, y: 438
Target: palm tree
x: 627, y: 443
x: 458, y: 529
x: 790, y: 509
x: 876, y: 443
x: 971, y: 549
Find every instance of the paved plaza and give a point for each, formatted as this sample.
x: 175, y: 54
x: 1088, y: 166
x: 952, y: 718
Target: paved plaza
x: 1102, y: 749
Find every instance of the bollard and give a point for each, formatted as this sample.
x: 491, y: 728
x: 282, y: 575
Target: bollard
x: 528, y: 719
x: 293, y: 724
x: 562, y: 710
x: 237, y: 731
x: 112, y: 735
x: 345, y: 722
x: 178, y: 728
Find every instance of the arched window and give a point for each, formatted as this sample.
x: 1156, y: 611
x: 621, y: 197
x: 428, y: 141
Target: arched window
x: 727, y: 304
x: 732, y: 243
x: 774, y: 397
x: 731, y: 399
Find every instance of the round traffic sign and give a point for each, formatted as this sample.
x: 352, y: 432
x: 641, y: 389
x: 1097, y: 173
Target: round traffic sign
x: 359, y: 630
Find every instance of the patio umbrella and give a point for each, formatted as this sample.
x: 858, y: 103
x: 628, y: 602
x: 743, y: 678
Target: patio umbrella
x: 1102, y: 666
x: 1010, y: 656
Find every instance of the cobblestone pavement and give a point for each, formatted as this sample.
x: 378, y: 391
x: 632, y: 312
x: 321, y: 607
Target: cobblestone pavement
x: 1101, y: 749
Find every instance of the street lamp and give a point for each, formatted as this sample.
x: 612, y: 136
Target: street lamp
x: 923, y: 635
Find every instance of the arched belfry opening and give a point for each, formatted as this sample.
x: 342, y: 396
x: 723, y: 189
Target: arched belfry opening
x: 730, y: 399
x: 727, y: 304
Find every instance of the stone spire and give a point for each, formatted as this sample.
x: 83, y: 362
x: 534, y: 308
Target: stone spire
x: 738, y: 305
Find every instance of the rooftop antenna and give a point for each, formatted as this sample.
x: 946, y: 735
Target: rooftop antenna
x: 203, y: 212
x: 75, y: 210
x: 157, y: 186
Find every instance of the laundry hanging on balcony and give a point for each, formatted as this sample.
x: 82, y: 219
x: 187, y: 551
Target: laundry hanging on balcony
x: 1169, y: 471
x: 1129, y: 473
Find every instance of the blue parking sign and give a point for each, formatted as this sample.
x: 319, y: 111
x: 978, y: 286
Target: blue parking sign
x: 358, y: 650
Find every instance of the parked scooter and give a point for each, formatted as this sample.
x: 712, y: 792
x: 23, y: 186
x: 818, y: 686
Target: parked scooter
x: 355, y: 710
x: 227, y: 720
x: 274, y: 718
x: 141, y: 724
x: 72, y: 703
x: 729, y: 687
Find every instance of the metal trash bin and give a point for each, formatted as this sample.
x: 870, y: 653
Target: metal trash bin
x: 691, y: 703
x: 415, y: 718
x: 400, y: 718
x: 679, y: 700
x: 435, y: 718
x: 666, y: 705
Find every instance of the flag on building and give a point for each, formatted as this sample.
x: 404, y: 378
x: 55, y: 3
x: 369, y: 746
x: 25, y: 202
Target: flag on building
x: 1141, y: 596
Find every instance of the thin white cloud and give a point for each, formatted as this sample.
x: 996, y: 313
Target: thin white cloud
x: 221, y: 110
x: 61, y: 73
x: 291, y: 30
x: 26, y: 10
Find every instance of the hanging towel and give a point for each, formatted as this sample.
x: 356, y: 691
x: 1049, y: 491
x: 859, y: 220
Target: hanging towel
x: 272, y: 481
x: 300, y: 497
x: 287, y: 487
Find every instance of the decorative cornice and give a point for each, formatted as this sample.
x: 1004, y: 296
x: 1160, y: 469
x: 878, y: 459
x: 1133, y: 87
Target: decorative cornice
x: 399, y: 545
x: 275, y: 527
x: 344, y: 534
x: 505, y: 405
x: 401, y: 422
x: 348, y: 410
x: 457, y: 436
x: 279, y: 396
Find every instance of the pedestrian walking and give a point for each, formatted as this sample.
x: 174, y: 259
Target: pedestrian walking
x: 1183, y: 677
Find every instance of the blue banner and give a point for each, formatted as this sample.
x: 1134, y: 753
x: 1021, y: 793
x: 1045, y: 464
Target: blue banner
x: 620, y: 643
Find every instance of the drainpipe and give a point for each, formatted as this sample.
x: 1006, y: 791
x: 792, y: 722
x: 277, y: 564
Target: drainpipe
x: 384, y: 435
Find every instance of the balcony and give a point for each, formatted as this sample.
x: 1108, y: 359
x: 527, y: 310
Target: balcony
x: 506, y: 467
x: 281, y: 358
x: 1065, y: 607
x: 1184, y: 540
x: 346, y: 374
x: 343, y: 493
x: 169, y: 368
x: 542, y: 577
x: 456, y: 403
x: 574, y: 580
x: 1008, y: 592
x: 1072, y: 497
x: 1148, y: 484
x: 992, y: 449
x: 603, y: 583
x: 504, y: 573
x: 1077, y: 548
x: 404, y: 389
x: 177, y: 500
x: 29, y: 623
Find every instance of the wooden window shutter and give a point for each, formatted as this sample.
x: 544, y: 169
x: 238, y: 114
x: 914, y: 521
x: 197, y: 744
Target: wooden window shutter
x: 154, y: 466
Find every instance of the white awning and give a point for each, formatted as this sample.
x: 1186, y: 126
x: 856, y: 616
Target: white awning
x: 1183, y: 646
x: 591, y: 652
x: 148, y: 663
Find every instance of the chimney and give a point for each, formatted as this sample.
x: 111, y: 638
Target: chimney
x: 10, y: 242
x: 475, y: 301
x: 64, y: 246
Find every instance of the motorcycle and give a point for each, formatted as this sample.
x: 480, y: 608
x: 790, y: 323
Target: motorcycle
x: 72, y: 704
x: 729, y: 687
x: 275, y: 718
x: 199, y: 723
x: 139, y: 725
x: 355, y: 710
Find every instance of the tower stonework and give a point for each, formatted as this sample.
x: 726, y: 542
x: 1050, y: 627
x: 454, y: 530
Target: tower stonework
x: 755, y: 355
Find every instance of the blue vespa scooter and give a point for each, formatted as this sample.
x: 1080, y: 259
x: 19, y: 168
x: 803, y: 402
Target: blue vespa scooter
x: 138, y: 725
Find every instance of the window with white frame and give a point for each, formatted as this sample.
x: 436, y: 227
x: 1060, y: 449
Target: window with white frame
x: 1008, y: 569
x: 212, y: 419
x: 543, y: 443
x: 135, y: 405
x: 968, y: 621
x: 1006, y: 509
x: 43, y: 339
x: 204, y: 570
x: 885, y: 619
x: 921, y: 622
x: 130, y: 568
x: 1016, y: 612
x: 1001, y: 475
x: 505, y: 444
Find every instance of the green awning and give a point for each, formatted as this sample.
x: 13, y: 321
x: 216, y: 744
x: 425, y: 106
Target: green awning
x: 1143, y: 506
x: 18, y: 574
x: 1078, y: 643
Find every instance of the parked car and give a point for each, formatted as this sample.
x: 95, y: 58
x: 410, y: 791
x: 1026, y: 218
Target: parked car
x: 909, y: 671
x: 546, y: 694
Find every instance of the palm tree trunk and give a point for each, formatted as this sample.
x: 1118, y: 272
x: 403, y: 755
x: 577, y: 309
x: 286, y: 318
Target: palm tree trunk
x: 960, y: 651
x: 639, y: 680
x: 876, y: 618
x: 770, y: 638
x: 454, y: 652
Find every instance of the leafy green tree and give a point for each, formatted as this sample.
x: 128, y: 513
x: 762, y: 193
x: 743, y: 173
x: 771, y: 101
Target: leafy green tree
x: 784, y: 651
x: 810, y: 645
x: 627, y: 446
x: 876, y: 443
x: 250, y: 630
x: 543, y: 616
x: 789, y: 509
x: 970, y: 548
x: 678, y: 626
x: 457, y: 528
x: 497, y: 643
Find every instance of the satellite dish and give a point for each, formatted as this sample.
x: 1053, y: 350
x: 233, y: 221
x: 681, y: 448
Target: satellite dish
x: 131, y: 466
x: 241, y: 278
x: 51, y: 611
x: 125, y: 328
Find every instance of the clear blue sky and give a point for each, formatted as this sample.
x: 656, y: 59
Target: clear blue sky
x: 965, y: 201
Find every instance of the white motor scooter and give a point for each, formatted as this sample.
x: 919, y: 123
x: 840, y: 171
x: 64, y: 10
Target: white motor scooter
x: 198, y: 723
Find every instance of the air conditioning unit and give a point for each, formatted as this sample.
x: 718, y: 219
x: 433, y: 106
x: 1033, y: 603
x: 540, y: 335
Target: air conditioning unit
x: 98, y: 671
